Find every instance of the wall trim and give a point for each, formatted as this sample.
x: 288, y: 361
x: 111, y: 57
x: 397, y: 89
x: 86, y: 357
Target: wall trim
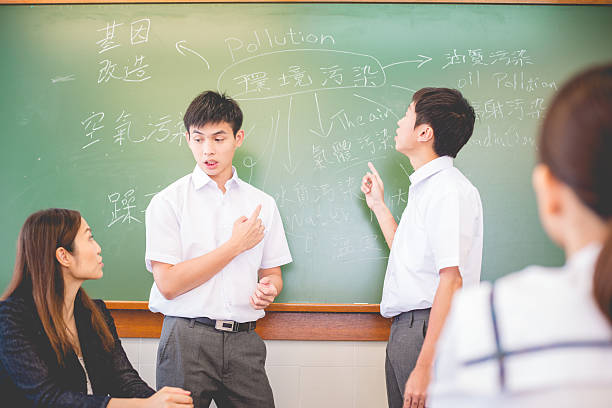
x: 283, y: 321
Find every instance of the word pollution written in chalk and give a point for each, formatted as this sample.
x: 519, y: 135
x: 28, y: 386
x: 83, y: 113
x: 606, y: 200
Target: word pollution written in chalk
x: 518, y: 81
x: 264, y: 40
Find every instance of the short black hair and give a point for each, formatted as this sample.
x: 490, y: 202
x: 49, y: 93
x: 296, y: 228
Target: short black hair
x: 449, y: 114
x: 211, y: 107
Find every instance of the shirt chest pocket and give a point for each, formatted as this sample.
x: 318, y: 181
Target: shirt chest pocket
x: 223, y: 231
x: 202, y: 235
x: 251, y: 258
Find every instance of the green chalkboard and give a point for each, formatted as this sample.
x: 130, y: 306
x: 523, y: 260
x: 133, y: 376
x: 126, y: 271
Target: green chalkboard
x: 93, y: 96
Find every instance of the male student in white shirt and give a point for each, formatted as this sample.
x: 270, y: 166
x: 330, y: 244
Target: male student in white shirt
x: 215, y: 245
x: 437, y: 247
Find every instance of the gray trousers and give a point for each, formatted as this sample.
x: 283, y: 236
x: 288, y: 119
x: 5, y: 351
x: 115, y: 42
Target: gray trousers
x: 227, y: 367
x: 405, y: 342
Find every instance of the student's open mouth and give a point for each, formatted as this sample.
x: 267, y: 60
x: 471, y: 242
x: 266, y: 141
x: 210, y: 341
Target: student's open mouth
x: 211, y: 164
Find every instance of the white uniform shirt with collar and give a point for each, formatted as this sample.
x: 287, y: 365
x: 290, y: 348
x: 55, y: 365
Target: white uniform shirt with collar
x: 560, y: 344
x: 192, y: 217
x: 441, y: 227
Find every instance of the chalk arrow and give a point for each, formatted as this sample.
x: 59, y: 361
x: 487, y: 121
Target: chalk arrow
x: 181, y: 49
x: 290, y: 169
x: 322, y: 132
x: 424, y: 60
x: 290, y: 166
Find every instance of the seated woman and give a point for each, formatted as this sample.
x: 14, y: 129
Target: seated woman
x: 543, y: 337
x: 58, y: 348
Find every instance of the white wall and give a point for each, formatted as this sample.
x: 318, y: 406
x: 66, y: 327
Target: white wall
x: 304, y: 374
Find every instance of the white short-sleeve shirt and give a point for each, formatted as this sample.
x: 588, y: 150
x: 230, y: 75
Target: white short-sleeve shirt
x: 441, y: 227
x: 556, y: 343
x: 192, y: 217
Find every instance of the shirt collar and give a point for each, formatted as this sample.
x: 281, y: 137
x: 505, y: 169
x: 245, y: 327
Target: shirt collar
x: 585, y: 258
x: 431, y: 168
x: 200, y: 178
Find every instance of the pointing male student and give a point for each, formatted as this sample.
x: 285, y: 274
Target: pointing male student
x: 437, y: 247
x: 214, y: 268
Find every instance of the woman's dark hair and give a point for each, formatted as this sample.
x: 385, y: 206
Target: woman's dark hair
x: 576, y: 144
x: 38, y: 272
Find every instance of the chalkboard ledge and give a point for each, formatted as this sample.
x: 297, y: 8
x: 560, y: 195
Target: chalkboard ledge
x: 524, y: 2
x: 283, y: 321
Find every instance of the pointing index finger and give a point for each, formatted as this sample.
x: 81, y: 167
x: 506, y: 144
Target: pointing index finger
x: 255, y: 213
x: 371, y: 166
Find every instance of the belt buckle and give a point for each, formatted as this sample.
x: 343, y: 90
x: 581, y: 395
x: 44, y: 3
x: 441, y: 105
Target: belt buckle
x: 225, y: 325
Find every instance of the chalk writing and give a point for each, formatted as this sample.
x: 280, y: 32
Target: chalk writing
x: 342, y: 151
x: 508, y: 137
x: 122, y: 207
x: 380, y: 141
x: 108, y: 42
x: 92, y: 124
x: 319, y: 157
x: 296, y: 76
x: 122, y: 130
x: 516, y: 108
x: 344, y: 189
x: 476, y: 57
x: 134, y: 70
x: 252, y: 82
x: 161, y: 129
x: 519, y: 81
x: 263, y: 40
x: 360, y: 120
x: 282, y: 77
x: 332, y: 73
x: 140, y: 31
x: 471, y: 79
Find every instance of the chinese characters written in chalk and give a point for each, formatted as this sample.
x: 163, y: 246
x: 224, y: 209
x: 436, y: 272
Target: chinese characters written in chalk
x: 120, y: 129
x: 296, y: 76
x: 135, y: 70
x: 480, y: 57
x: 126, y: 207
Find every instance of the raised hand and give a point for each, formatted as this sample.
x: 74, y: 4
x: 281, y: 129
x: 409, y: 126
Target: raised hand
x: 248, y: 232
x: 373, y: 188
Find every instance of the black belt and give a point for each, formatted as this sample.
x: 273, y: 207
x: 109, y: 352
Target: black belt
x: 417, y: 314
x: 226, y: 325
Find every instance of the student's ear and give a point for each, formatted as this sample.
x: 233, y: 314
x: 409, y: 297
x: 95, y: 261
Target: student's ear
x: 550, y: 195
x: 239, y: 137
x: 548, y: 190
x: 62, y: 256
x: 187, y: 136
x: 425, y: 133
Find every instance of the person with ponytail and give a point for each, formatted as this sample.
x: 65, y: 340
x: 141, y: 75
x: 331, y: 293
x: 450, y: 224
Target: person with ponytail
x: 543, y: 337
x: 58, y: 347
